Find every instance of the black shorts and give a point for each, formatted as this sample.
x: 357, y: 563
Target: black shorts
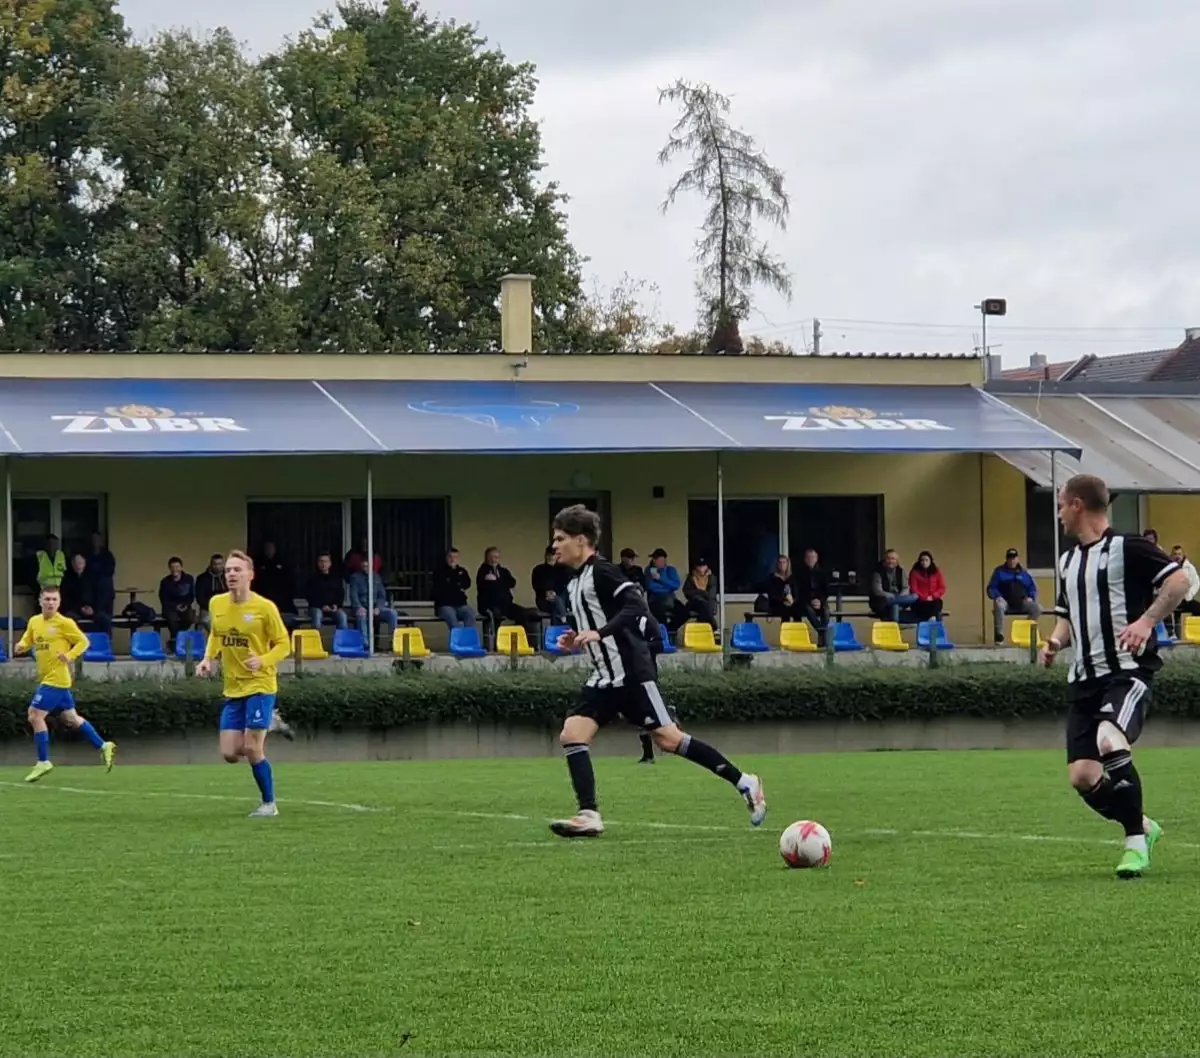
x: 640, y: 704
x: 1122, y: 700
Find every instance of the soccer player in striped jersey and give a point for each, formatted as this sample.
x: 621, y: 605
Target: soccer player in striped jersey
x: 56, y: 641
x: 1114, y: 590
x: 610, y: 620
x: 249, y: 637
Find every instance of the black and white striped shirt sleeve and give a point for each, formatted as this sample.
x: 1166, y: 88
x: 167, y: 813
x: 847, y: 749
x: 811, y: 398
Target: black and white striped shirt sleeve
x: 1061, y: 607
x: 1147, y: 562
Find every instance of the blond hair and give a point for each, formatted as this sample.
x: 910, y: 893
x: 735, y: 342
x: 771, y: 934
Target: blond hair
x: 242, y: 556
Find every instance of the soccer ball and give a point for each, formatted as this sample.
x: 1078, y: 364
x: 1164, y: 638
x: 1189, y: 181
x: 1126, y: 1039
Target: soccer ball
x: 805, y: 844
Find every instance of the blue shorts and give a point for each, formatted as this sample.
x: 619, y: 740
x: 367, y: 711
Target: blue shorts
x: 248, y: 714
x: 52, y: 699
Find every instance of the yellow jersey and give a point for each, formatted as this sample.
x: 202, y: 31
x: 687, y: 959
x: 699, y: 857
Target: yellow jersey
x: 49, y: 638
x: 241, y: 631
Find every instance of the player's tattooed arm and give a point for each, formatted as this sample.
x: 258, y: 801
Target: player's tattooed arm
x: 1172, y: 592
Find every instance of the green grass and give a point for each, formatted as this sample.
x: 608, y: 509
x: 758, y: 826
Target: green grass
x: 154, y: 919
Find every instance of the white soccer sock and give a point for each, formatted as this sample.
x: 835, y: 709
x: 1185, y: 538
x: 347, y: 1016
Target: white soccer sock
x: 1136, y: 841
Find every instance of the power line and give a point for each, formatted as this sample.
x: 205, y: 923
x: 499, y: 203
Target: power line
x: 917, y: 324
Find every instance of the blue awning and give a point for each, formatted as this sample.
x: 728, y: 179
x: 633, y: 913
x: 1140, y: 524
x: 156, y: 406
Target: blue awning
x: 193, y: 417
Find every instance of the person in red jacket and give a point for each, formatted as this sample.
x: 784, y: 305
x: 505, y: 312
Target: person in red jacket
x: 926, y: 582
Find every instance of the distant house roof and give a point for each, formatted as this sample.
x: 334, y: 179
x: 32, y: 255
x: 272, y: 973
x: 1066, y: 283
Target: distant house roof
x: 1180, y: 364
x: 1047, y: 372
x: 1125, y: 367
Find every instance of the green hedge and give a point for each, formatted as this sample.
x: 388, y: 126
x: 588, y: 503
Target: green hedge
x: 540, y: 698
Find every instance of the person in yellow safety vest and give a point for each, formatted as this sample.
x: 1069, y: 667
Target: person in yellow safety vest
x: 51, y: 564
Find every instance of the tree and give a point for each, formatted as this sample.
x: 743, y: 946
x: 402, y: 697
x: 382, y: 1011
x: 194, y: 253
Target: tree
x: 740, y: 188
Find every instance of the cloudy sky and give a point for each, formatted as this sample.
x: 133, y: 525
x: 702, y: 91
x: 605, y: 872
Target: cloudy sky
x: 936, y: 151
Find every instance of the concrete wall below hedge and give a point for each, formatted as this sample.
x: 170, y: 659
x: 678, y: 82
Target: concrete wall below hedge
x: 466, y: 741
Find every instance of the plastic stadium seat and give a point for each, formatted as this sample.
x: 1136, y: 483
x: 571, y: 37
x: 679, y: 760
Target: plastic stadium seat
x: 1023, y: 631
x: 698, y: 637
x: 796, y: 637
x: 19, y: 623
x: 349, y: 643
x: 668, y: 644
x: 464, y: 643
x: 550, y: 639
x: 843, y: 637
x: 146, y: 645
x: 3, y: 651
x: 885, y: 635
x: 511, y: 639
x: 307, y: 645
x: 99, y: 647
x: 748, y: 638
x: 931, y: 632
x: 415, y: 641
x: 1165, y: 639
x: 194, y: 639
x: 1191, y: 630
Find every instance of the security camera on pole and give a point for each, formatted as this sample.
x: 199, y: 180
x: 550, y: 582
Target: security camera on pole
x: 990, y: 307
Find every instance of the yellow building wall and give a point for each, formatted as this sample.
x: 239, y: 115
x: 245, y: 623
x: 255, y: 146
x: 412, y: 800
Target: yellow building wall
x: 192, y: 507
x: 1177, y: 520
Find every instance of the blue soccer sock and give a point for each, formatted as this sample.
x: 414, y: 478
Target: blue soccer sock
x: 265, y: 780
x: 90, y: 733
x: 42, y: 741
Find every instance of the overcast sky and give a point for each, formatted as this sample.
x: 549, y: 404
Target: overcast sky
x: 936, y: 152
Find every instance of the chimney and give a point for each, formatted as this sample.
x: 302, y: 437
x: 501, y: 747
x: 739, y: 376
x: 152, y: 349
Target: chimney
x: 1192, y: 334
x: 1038, y: 361
x: 516, y: 313
x: 995, y: 366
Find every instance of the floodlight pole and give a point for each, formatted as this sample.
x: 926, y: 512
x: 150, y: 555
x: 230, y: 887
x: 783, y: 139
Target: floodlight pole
x: 370, y: 559
x: 1054, y: 515
x: 721, y: 549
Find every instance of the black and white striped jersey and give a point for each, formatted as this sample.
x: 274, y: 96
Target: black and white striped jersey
x: 1105, y: 586
x: 602, y: 599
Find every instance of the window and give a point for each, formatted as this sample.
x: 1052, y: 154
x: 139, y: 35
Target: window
x: 1041, y: 512
x: 411, y: 534
x: 300, y: 530
x: 596, y: 501
x: 845, y: 531
x: 72, y: 519
x: 751, y: 541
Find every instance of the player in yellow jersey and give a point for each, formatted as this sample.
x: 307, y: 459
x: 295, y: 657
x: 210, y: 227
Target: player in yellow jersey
x: 250, y: 639
x: 56, y: 642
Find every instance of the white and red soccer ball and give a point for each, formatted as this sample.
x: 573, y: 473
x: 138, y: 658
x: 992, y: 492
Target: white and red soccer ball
x: 805, y: 844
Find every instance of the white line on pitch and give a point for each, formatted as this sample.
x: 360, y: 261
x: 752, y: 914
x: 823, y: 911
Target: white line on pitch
x: 192, y: 796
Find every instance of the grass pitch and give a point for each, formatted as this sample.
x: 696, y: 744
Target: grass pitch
x: 970, y: 909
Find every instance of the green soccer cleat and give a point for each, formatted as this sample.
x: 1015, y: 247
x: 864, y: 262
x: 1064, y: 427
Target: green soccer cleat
x: 1153, y: 833
x: 107, y: 752
x: 1133, y: 864
x: 42, y: 767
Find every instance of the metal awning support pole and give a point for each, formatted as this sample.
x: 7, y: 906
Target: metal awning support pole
x: 721, y: 549
x: 370, y: 558
x: 8, y: 546
x: 1054, y: 515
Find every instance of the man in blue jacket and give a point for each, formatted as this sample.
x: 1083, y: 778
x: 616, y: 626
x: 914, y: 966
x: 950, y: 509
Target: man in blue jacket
x: 662, y: 582
x: 1012, y: 591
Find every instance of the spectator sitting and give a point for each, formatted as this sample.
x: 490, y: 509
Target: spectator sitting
x: 662, y: 582
x: 355, y: 559
x: 1012, y: 591
x: 273, y: 580
x: 211, y: 582
x: 177, y: 598
x: 780, y: 602
x: 325, y: 594
x: 631, y: 569
x: 359, y: 603
x: 926, y: 582
x: 811, y: 588
x: 699, y: 593
x: 102, y: 568
x: 79, y: 601
x: 1152, y: 536
x: 550, y: 588
x: 494, y: 588
x: 889, y: 588
x: 450, y: 586
x: 1191, y: 601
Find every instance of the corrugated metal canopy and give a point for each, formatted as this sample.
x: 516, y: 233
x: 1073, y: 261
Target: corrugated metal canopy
x: 1139, y: 444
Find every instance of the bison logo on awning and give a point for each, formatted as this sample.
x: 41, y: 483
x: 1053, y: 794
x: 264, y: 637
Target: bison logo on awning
x: 519, y: 415
x: 836, y: 417
x: 145, y: 418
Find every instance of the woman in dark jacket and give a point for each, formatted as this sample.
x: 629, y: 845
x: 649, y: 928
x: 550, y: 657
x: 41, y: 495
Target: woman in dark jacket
x: 781, y: 597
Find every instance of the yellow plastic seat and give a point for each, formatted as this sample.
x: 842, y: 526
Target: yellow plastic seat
x: 796, y: 637
x: 507, y: 635
x: 698, y: 637
x: 415, y: 640
x: 885, y: 635
x: 307, y: 645
x: 1191, y: 630
x: 1023, y: 631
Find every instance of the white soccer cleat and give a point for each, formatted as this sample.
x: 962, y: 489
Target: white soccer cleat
x: 586, y: 824
x: 751, y: 789
x: 265, y: 811
x: 281, y: 727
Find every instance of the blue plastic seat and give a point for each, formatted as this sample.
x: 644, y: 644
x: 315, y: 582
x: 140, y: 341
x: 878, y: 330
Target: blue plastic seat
x: 195, y: 639
x: 843, y: 637
x: 464, y: 643
x: 349, y: 643
x: 19, y: 623
x: 550, y: 639
x: 929, y: 632
x: 146, y: 645
x: 1165, y: 639
x: 99, y: 647
x: 3, y: 651
x: 747, y: 638
x: 668, y: 644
